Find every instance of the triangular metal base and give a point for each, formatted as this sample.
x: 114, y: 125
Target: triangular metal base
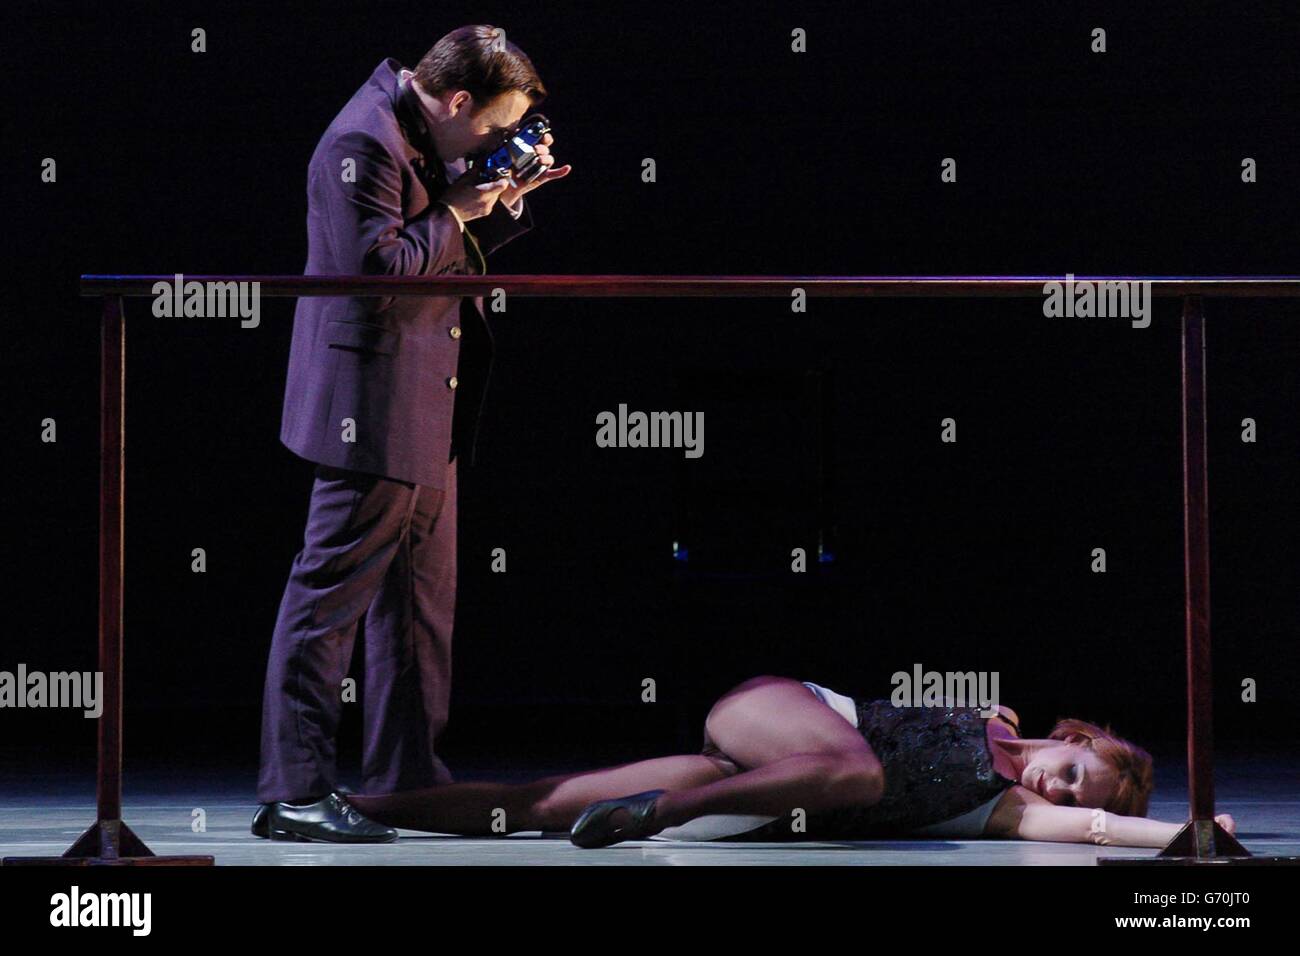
x: 1204, y: 838
x: 1201, y: 841
x: 108, y: 843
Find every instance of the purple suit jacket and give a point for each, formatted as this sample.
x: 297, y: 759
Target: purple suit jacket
x: 388, y: 364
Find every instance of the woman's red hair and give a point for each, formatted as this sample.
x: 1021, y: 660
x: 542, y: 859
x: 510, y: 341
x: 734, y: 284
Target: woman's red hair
x: 1132, y: 764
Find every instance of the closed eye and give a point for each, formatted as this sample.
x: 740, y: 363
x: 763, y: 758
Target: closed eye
x: 1071, y: 774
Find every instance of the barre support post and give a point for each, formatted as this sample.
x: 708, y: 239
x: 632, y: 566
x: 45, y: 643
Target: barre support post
x: 109, y: 840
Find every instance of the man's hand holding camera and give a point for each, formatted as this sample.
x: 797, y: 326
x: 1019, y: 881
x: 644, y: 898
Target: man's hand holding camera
x: 472, y: 199
x: 513, y: 193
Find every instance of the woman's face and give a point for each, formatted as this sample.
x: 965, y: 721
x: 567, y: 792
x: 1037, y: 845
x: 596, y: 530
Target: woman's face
x: 1070, y: 775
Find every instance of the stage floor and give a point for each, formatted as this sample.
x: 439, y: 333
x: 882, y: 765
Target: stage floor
x: 41, y: 817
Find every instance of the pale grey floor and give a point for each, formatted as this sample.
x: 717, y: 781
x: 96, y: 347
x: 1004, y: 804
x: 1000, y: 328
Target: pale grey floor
x: 1264, y: 799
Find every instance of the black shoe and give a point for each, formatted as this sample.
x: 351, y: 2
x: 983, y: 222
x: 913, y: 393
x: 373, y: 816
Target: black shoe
x: 329, y: 820
x: 260, y: 827
x: 593, y: 827
x: 260, y: 818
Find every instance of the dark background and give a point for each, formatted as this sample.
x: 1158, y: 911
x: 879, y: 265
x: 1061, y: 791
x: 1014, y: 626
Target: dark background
x: 967, y: 556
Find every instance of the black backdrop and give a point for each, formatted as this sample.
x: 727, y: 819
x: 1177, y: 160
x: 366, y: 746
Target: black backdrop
x: 967, y: 556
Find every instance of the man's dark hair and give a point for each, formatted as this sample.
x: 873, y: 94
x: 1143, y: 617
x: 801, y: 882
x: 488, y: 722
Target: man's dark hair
x: 481, y: 60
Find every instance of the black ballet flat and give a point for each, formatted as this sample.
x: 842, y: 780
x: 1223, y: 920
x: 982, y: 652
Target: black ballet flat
x: 594, y: 829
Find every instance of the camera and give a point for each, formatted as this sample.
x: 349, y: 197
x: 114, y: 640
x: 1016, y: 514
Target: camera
x: 515, y: 157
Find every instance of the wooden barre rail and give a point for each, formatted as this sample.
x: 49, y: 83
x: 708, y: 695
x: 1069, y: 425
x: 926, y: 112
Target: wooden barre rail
x: 625, y: 286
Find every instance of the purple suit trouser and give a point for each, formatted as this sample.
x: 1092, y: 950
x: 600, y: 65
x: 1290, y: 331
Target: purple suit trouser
x: 386, y: 550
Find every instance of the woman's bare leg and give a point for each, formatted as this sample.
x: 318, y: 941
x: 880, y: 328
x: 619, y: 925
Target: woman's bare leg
x: 794, y: 751
x: 551, y: 803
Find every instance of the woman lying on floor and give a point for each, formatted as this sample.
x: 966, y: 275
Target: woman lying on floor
x: 789, y: 760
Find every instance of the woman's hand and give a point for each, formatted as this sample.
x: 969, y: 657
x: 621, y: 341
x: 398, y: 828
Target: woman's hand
x: 1225, y: 820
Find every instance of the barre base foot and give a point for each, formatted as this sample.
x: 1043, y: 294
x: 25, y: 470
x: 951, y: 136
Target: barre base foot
x: 108, y: 843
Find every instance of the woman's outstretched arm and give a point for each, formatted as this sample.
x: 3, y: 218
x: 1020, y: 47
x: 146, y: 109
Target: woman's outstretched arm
x: 1030, y: 817
x: 1092, y: 825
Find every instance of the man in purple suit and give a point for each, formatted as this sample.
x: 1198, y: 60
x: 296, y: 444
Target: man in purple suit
x: 384, y: 394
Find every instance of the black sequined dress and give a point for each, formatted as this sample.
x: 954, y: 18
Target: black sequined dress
x: 937, y: 766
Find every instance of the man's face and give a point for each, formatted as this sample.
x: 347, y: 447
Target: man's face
x: 468, y: 131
